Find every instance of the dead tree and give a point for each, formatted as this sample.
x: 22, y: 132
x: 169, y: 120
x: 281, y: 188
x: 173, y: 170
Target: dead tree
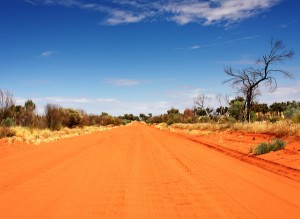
x: 6, y: 103
x: 200, y: 102
x: 223, y: 109
x: 248, y: 80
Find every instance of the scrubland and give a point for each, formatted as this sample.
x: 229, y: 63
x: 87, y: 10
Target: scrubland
x: 279, y: 129
x: 37, y: 136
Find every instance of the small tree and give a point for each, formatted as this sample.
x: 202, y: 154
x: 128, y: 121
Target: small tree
x: 248, y: 80
x: 7, y: 104
x: 292, y: 109
x: 143, y: 117
x: 188, y: 115
x: 278, y: 108
x: 222, y: 110
x: 236, y: 108
x: 199, y: 102
x: 173, y: 116
x: 29, y: 113
x: 72, y: 118
x: 54, y: 116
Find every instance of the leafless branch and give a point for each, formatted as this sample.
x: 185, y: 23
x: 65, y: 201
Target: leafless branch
x: 200, y: 102
x: 248, y: 80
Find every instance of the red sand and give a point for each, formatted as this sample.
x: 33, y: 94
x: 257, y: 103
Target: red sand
x: 242, y: 142
x: 140, y: 172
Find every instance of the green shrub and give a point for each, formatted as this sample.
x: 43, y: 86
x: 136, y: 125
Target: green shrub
x: 262, y: 148
x: 170, y: 121
x: 253, y: 116
x: 54, y: 115
x: 8, y: 122
x: 275, y: 145
x: 6, y: 132
x: 204, y: 119
x: 292, y: 109
x: 72, y: 118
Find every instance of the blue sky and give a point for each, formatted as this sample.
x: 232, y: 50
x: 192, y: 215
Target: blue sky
x: 138, y: 56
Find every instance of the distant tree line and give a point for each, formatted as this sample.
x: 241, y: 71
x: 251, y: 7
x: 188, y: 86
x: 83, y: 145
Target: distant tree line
x: 55, y: 117
x: 233, y: 112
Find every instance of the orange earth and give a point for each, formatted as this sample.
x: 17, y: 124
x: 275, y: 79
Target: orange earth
x: 242, y: 142
x: 139, y: 171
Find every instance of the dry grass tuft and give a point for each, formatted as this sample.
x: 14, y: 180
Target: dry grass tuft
x: 279, y: 129
x: 37, y: 136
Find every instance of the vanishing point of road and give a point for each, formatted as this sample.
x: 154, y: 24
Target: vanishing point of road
x: 138, y: 171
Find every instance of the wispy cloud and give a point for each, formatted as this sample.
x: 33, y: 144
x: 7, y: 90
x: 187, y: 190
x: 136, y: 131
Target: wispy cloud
x: 183, y: 97
x: 121, y: 17
x: 214, y: 11
x: 96, y: 105
x: 65, y: 100
x: 47, y: 53
x: 242, y: 39
x: 195, y: 47
x: 93, y: 105
x: 124, y: 82
x: 182, y: 12
x: 282, y: 94
x: 221, y: 42
x: 106, y: 100
x: 285, y: 25
x: 30, y: 2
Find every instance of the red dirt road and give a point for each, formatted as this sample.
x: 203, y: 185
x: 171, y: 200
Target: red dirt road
x: 139, y: 172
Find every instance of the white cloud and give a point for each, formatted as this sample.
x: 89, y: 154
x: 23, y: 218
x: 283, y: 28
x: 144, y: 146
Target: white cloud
x: 121, y: 17
x: 47, y: 53
x: 66, y: 100
x: 20, y: 101
x: 214, y: 11
x: 30, y: 2
x: 219, y: 42
x: 124, y: 82
x: 282, y: 94
x: 97, y: 105
x: 90, y: 104
x: 182, y: 12
x: 242, y: 38
x: 195, y: 47
x: 183, y: 97
x: 106, y: 100
x: 288, y: 24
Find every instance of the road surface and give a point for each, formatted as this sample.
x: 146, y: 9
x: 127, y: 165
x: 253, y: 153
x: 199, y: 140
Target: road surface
x: 138, y: 171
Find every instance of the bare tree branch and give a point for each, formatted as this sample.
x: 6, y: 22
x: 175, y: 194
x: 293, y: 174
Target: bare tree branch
x: 248, y: 80
x: 200, y: 102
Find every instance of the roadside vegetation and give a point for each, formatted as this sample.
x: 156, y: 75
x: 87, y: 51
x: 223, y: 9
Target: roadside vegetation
x: 241, y: 113
x: 37, y: 136
x: 279, y: 119
x: 23, y: 123
x: 244, y: 112
x: 279, y: 129
x: 264, y: 148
